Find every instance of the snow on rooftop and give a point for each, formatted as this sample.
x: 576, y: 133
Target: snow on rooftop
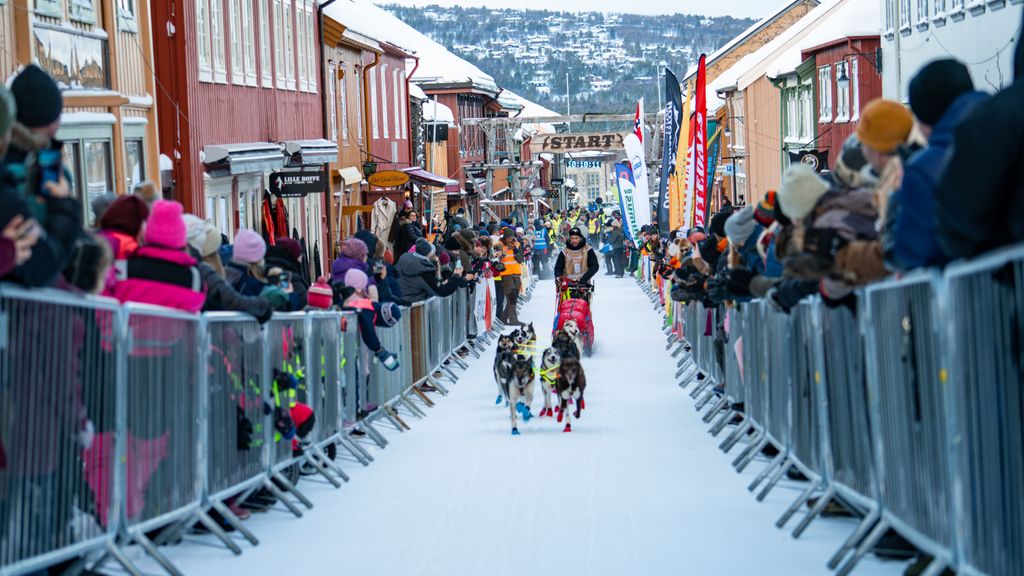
x: 529, y: 109
x: 437, y: 65
x: 417, y: 92
x: 434, y: 111
x: 850, y: 19
x: 783, y: 8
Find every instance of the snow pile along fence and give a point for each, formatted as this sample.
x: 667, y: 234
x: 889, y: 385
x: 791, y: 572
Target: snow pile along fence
x: 909, y: 410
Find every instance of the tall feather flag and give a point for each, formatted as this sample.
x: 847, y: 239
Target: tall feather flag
x: 673, y: 115
x: 677, y: 194
x: 700, y: 146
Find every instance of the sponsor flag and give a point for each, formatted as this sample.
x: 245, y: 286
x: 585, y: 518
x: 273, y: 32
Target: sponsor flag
x: 700, y: 145
x: 677, y: 205
x: 689, y: 186
x: 714, y: 145
x: 673, y: 116
x: 628, y: 200
x: 635, y: 151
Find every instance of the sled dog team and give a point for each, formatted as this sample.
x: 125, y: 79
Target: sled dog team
x: 560, y: 373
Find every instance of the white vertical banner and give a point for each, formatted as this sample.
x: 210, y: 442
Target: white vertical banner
x: 635, y: 151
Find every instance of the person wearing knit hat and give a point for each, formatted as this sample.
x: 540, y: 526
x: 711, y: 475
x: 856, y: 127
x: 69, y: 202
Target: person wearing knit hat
x: 202, y: 236
x: 287, y: 254
x: 740, y: 226
x: 764, y: 213
x: 320, y: 295
x: 884, y: 126
x: 367, y: 312
x: 246, y: 271
x: 352, y: 255
x: 39, y: 100
x: 425, y: 248
x: 121, y: 225
x: 354, y: 248
x: 941, y: 96
x: 717, y: 224
x: 161, y: 272
x: 800, y: 190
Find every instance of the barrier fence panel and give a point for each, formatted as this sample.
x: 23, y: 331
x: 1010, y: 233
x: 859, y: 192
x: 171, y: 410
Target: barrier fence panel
x: 287, y: 351
x: 326, y: 357
x: 420, y: 353
x: 779, y: 348
x: 162, y: 466
x: 804, y: 418
x: 351, y: 369
x: 734, y: 382
x: 985, y: 341
x: 908, y: 411
x: 58, y: 497
x: 236, y: 421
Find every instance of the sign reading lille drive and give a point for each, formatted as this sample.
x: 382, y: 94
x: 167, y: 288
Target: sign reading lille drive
x: 561, y: 143
x: 297, y: 184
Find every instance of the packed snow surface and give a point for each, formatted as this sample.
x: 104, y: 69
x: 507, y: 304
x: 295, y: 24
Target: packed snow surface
x: 638, y: 487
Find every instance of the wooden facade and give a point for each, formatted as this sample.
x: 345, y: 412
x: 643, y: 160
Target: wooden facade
x: 109, y: 125
x: 239, y: 72
x: 830, y: 61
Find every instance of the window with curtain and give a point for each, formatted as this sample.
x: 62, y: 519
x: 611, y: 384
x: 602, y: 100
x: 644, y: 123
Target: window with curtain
x: 266, y: 70
x: 332, y: 103
x: 49, y: 8
x: 98, y: 176
x: 807, y: 123
x: 360, y: 111
x: 279, y: 51
x: 890, y: 16
x: 72, y: 152
x: 384, y: 98
x: 249, y: 43
x: 235, y: 34
x: 288, y: 22
x: 302, y: 44
x: 343, y: 104
x: 203, y: 40
x: 922, y: 12
x: 135, y: 162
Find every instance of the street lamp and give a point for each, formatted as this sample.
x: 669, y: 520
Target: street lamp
x: 843, y: 80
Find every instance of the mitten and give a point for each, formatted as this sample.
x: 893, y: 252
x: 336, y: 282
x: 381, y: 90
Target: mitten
x: 389, y: 360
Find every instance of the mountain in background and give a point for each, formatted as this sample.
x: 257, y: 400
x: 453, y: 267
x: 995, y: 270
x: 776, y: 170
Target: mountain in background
x: 611, y: 60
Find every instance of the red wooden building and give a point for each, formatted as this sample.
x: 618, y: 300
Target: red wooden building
x: 846, y: 79
x: 239, y: 101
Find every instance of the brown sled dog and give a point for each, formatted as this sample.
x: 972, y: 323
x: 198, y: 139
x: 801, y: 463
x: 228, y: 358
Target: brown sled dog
x: 570, y: 384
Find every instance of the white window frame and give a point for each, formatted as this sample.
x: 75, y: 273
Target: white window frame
x: 203, y: 53
x: 906, y: 15
x: 374, y: 128
x: 301, y: 45
x: 281, y: 70
x: 313, y: 44
x: 217, y: 40
x: 890, y: 17
x: 842, y: 111
x: 809, y: 127
x: 51, y: 8
x: 854, y: 89
x: 404, y: 91
x: 235, y: 34
x: 398, y: 103
x: 289, y: 43
x: 332, y: 76
x: 82, y: 11
x: 126, y: 16
x: 956, y: 9
x: 825, y: 94
x: 939, y: 12
x: 266, y: 55
x: 248, y: 22
x: 384, y: 99
x: 343, y: 102
x: 739, y: 122
x: 923, y: 13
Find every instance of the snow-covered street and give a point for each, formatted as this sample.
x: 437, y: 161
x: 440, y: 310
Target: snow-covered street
x: 639, y: 487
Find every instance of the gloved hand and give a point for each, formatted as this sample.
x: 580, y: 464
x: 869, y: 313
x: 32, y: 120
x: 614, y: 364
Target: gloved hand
x: 717, y: 288
x: 738, y: 282
x: 283, y: 423
x: 823, y: 242
x: 86, y: 435
x: 788, y: 294
x: 389, y: 360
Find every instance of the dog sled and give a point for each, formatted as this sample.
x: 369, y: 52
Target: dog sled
x: 574, y: 304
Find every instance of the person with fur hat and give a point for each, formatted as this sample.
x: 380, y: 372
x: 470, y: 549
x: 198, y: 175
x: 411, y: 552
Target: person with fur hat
x: 370, y: 315
x: 408, y: 231
x: 161, y: 271
x: 980, y: 199
x: 204, y: 244
x: 577, y: 261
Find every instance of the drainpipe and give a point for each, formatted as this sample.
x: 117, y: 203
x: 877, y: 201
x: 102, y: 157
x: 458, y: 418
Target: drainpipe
x: 408, y: 111
x: 366, y: 105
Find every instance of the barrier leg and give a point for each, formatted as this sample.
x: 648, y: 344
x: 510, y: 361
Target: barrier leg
x: 775, y: 463
x: 392, y: 416
x: 800, y: 501
x: 120, y: 558
x: 459, y: 361
x: 671, y: 342
x: 678, y: 350
x: 471, y: 346
x: 723, y: 401
x: 374, y: 434
x: 450, y: 373
x: 356, y: 450
x: 880, y: 529
x: 819, y: 507
x: 434, y: 382
x: 708, y: 396
x: 756, y: 443
x: 774, y: 480
x: 291, y: 488
x: 235, y: 522
x: 156, y: 554
x: 855, y: 537
x: 744, y: 427
x: 751, y: 454
x: 702, y: 385
x: 412, y: 407
x: 217, y: 531
x: 423, y: 397
x: 273, y: 489
x: 317, y: 459
x: 722, y: 422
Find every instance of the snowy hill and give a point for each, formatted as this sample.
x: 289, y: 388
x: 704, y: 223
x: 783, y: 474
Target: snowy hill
x: 531, y: 51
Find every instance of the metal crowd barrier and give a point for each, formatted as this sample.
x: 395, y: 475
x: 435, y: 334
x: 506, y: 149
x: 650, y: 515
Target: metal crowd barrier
x: 909, y: 413
x: 193, y: 407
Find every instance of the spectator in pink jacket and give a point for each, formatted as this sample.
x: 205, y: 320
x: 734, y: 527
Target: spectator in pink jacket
x: 161, y: 271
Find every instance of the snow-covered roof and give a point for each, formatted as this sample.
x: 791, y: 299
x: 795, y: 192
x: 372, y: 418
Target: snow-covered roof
x: 529, y: 109
x: 434, y: 111
x: 437, y: 65
x: 743, y: 36
x: 850, y: 19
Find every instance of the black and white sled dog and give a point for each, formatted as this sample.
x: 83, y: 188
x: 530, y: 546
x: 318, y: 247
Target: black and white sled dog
x: 503, y: 361
x: 570, y: 385
x: 573, y: 330
x: 565, y: 345
x: 514, y: 374
x: 550, y: 362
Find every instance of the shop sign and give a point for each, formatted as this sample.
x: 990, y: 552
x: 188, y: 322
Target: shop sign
x: 562, y: 143
x: 297, y: 184
x: 583, y: 164
x: 388, y: 179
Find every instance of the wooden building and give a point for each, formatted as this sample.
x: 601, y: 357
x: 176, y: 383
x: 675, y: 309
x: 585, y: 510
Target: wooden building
x: 100, y: 52
x: 241, y: 102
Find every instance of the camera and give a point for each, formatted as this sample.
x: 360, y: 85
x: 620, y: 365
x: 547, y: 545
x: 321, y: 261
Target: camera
x: 45, y: 166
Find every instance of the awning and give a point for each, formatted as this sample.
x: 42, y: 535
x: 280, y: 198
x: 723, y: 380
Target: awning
x: 504, y: 202
x: 311, y: 152
x: 231, y: 159
x: 430, y: 179
x: 351, y: 175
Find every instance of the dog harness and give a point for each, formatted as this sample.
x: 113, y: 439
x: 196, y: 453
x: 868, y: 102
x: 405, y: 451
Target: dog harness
x: 551, y: 375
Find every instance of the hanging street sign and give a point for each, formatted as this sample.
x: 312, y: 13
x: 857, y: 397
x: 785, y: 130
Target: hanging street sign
x: 388, y: 179
x: 297, y: 184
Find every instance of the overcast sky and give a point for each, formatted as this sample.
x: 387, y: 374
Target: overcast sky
x: 738, y: 8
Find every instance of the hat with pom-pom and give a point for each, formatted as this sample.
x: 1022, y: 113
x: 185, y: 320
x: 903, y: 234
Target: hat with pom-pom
x: 356, y: 279
x: 165, y: 226
x: 320, y: 294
